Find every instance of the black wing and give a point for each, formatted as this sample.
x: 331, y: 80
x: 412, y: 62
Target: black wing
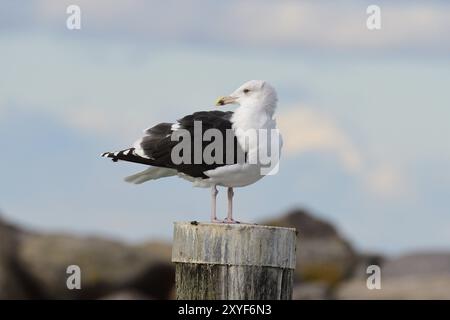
x: 155, y: 148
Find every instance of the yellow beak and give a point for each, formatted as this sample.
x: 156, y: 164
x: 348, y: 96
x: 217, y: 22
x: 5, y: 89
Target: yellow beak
x: 225, y: 100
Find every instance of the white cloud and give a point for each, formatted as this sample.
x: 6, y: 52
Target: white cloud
x: 94, y: 120
x: 323, y: 24
x: 305, y: 130
x: 386, y: 180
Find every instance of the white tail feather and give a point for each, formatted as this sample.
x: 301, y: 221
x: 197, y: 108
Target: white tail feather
x: 152, y: 173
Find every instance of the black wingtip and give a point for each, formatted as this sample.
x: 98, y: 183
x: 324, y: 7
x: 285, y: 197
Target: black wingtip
x: 109, y: 155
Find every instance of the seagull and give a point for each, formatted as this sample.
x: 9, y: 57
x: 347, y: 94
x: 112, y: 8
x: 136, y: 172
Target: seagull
x: 238, y: 165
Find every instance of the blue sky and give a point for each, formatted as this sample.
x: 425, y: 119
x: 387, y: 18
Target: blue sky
x: 364, y: 114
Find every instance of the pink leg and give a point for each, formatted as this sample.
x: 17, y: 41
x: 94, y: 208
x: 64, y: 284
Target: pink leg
x: 229, y: 218
x: 214, y: 193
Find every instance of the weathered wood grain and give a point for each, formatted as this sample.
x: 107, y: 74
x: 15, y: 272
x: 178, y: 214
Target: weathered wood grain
x: 233, y: 261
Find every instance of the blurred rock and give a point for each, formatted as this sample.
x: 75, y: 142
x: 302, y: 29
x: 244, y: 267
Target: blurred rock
x: 33, y: 266
x: 418, y: 264
x: 9, y: 288
x: 15, y: 282
x: 413, y: 276
x: 407, y: 287
x: 157, y: 281
x: 323, y: 255
x: 106, y: 265
x: 126, y: 295
x: 311, y: 291
x: 364, y: 261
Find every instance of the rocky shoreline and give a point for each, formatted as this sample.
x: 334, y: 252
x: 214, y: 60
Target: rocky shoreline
x: 33, y: 266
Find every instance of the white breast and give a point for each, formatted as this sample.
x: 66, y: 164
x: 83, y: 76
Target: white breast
x: 253, y: 132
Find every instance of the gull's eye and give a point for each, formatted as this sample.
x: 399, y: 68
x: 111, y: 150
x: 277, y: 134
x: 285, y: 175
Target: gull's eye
x: 246, y: 91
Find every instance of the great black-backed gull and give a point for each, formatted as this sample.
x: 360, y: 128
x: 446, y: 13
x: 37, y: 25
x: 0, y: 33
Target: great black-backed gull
x: 257, y: 102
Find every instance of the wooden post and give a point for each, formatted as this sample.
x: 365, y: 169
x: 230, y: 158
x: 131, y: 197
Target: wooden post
x: 233, y: 261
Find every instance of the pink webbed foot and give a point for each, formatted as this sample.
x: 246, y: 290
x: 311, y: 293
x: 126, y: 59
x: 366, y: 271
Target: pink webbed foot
x: 230, y: 221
